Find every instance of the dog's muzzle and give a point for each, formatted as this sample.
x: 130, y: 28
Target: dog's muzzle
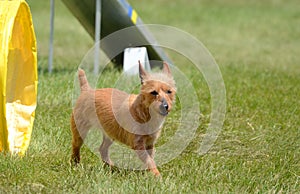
x: 164, y: 107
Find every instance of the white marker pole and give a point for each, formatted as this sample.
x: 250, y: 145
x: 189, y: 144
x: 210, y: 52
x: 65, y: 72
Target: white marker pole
x: 50, y: 57
x: 97, y: 36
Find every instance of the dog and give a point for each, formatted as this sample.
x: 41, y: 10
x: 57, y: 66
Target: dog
x: 134, y: 120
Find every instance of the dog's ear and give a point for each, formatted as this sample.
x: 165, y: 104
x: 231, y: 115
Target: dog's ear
x: 142, y: 73
x: 166, y: 69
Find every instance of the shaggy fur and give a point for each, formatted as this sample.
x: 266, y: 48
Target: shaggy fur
x: 134, y: 120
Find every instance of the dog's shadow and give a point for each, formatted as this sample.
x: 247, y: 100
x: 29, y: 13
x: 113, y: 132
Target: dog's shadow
x: 116, y: 170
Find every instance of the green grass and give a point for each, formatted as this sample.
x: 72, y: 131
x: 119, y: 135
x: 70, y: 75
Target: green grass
x: 256, y: 45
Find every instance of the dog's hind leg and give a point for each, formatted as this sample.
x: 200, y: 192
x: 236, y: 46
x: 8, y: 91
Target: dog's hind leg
x: 78, y: 136
x: 106, y: 143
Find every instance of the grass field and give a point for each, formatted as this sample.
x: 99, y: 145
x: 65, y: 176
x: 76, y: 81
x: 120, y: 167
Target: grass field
x: 256, y: 44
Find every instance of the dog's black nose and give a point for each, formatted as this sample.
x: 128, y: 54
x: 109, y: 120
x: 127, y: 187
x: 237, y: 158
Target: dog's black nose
x: 164, y: 107
x: 165, y: 104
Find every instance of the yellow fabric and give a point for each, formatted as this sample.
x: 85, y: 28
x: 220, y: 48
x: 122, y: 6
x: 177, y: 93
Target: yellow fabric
x: 18, y: 76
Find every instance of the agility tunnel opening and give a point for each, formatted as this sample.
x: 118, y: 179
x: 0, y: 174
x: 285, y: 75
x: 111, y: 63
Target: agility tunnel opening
x: 18, y: 81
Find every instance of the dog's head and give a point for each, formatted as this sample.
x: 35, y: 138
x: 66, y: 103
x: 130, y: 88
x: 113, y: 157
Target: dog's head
x: 158, y: 89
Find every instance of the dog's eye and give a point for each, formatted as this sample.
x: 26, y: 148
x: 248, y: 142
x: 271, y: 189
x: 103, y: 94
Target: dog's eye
x: 169, y: 92
x: 154, y: 93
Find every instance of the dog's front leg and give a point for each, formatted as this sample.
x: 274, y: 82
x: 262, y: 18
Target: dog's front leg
x: 150, y: 150
x: 140, y: 148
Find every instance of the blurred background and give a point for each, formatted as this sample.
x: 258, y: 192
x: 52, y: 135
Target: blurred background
x: 235, y: 32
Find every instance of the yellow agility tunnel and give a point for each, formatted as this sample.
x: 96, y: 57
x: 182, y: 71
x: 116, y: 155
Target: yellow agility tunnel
x: 18, y: 76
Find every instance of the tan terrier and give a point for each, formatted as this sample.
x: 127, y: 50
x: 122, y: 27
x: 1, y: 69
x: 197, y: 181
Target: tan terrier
x: 134, y: 120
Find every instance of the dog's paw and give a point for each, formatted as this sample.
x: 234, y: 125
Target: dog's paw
x: 74, y: 161
x: 155, y: 172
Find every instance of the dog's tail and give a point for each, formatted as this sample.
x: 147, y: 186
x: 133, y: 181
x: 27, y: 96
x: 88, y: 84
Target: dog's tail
x: 84, y: 84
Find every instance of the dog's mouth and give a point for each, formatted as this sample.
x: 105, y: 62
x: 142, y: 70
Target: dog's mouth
x: 164, y: 113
